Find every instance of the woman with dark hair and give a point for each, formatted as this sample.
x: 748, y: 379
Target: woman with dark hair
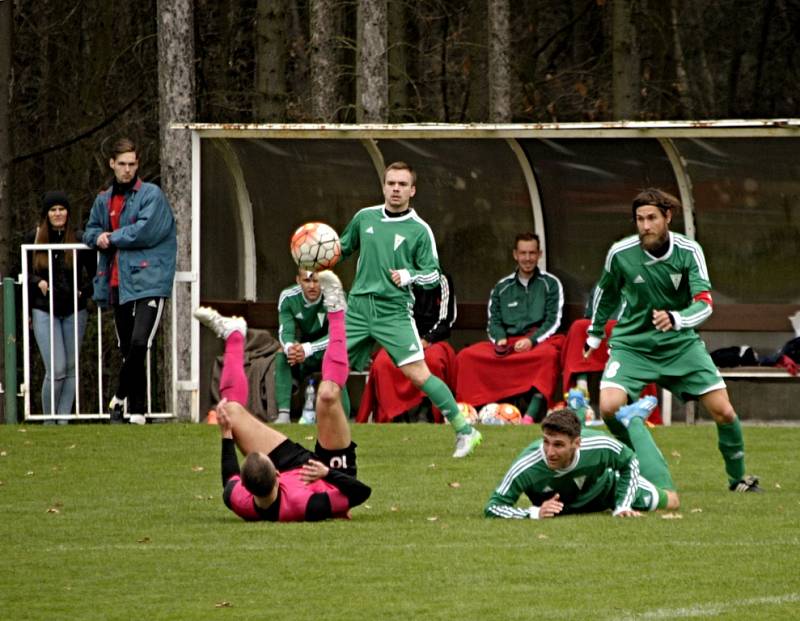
x: 55, y: 283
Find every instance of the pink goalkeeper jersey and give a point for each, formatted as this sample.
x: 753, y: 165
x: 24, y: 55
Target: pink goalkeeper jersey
x: 293, y: 497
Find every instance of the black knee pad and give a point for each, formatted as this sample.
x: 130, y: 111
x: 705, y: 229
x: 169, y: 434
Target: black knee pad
x: 343, y: 460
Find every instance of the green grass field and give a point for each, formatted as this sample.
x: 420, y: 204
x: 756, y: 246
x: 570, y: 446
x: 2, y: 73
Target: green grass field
x: 104, y: 522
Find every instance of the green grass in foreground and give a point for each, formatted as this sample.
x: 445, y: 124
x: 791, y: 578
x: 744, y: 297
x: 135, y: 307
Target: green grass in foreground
x: 106, y: 522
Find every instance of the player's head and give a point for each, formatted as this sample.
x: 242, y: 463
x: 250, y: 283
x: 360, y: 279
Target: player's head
x: 309, y: 283
x: 561, y: 437
x: 652, y: 213
x: 124, y: 160
x: 526, y: 253
x: 259, y: 476
x: 399, y: 185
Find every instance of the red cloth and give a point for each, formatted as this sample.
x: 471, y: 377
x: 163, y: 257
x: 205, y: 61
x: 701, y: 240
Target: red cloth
x: 115, y: 207
x: 573, y: 362
x: 483, y: 377
x: 389, y: 393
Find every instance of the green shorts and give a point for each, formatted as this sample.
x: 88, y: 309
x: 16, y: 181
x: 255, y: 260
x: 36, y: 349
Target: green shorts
x: 687, y: 373
x: 371, y: 320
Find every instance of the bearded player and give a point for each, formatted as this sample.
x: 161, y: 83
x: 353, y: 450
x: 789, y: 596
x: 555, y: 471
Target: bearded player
x: 279, y: 479
x: 663, y: 279
x: 397, y: 250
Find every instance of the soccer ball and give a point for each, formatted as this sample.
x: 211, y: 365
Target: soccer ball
x: 488, y: 414
x: 508, y: 414
x: 468, y: 412
x: 315, y: 246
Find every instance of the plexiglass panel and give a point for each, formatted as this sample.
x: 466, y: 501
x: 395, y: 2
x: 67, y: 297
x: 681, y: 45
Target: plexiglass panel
x: 747, y: 201
x: 587, y: 187
x: 473, y: 195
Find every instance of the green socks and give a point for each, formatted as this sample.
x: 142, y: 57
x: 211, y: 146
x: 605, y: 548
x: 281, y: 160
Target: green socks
x: 731, y: 445
x: 536, y: 407
x: 442, y: 398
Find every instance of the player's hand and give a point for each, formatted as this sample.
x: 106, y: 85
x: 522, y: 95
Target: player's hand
x: 223, y: 420
x: 524, y: 344
x: 296, y: 354
x: 425, y: 344
x: 44, y: 287
x: 628, y: 513
x: 662, y: 320
x: 313, y: 471
x: 103, y: 241
x: 501, y: 348
x: 551, y: 507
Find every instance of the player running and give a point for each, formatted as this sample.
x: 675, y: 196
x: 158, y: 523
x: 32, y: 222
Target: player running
x: 663, y: 279
x: 280, y: 480
x: 570, y: 470
x: 397, y: 249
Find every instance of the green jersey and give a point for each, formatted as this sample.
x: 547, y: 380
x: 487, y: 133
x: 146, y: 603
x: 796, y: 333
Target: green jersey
x: 302, y: 321
x: 603, y: 475
x: 385, y: 243
x: 676, y: 282
x: 532, y: 309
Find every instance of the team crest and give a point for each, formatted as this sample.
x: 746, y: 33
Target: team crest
x: 370, y: 230
x: 579, y: 481
x: 398, y: 239
x: 321, y: 318
x: 676, y: 280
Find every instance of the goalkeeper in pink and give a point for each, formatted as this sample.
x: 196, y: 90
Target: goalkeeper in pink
x: 280, y: 480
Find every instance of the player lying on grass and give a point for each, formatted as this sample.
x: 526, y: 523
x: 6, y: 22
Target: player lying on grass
x: 280, y: 480
x: 570, y: 470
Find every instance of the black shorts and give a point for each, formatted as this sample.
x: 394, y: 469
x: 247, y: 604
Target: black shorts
x: 289, y: 455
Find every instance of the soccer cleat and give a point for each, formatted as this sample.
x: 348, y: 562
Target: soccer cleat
x: 332, y: 291
x: 641, y: 409
x: 748, y: 484
x: 466, y: 442
x: 116, y: 409
x: 308, y: 417
x: 137, y: 419
x: 222, y: 326
x: 576, y: 399
x: 283, y: 418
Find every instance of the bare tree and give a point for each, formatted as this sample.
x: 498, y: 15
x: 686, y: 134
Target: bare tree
x: 5, y: 135
x: 270, y: 51
x: 399, y: 104
x: 176, y: 104
x: 625, y: 53
x: 499, y: 69
x: 372, y: 78
x: 323, y: 60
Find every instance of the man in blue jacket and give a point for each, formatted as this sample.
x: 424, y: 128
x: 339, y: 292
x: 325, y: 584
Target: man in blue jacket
x: 133, y: 227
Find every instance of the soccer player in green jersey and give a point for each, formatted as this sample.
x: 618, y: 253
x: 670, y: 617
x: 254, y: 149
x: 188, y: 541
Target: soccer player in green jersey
x: 573, y: 470
x: 303, y: 335
x: 663, y: 279
x: 397, y: 249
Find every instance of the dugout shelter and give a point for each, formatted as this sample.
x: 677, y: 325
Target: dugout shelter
x: 478, y: 185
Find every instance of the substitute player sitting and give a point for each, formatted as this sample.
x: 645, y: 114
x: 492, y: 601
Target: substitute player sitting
x: 279, y: 479
x: 574, y: 470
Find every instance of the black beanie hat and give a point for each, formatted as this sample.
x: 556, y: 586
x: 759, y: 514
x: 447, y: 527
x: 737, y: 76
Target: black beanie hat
x: 52, y: 198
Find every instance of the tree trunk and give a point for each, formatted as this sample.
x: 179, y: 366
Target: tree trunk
x: 682, y: 78
x: 176, y: 104
x: 270, y: 47
x: 399, y: 106
x: 323, y: 61
x: 625, y: 63
x: 372, y: 77
x: 499, y: 65
x: 6, y: 16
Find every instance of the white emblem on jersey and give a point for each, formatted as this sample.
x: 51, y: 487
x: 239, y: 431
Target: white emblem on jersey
x: 152, y: 304
x: 638, y: 280
x: 676, y: 279
x: 513, y: 304
x: 299, y: 316
x: 370, y: 230
x: 579, y: 481
x: 547, y: 489
x: 398, y: 239
x: 321, y: 318
x: 413, y: 347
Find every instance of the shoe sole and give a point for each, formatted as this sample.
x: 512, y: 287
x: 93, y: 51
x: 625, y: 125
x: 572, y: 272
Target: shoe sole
x: 471, y: 450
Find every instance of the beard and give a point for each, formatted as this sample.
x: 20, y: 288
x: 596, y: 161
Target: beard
x: 651, y: 241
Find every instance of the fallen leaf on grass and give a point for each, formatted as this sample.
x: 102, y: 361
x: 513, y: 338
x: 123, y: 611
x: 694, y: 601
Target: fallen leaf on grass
x: 367, y: 506
x: 672, y: 516
x: 223, y: 605
x: 71, y: 446
x: 394, y: 509
x: 29, y: 473
x: 3, y: 453
x: 431, y: 465
x: 675, y: 454
x: 53, y: 510
x: 22, y: 430
x: 433, y: 518
x: 144, y: 540
x: 201, y: 497
x: 309, y: 437
x: 2, y: 483
x: 542, y: 536
x: 197, y: 469
x: 777, y: 486
x: 454, y: 484
x: 697, y: 510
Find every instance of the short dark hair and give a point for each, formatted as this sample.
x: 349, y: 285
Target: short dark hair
x: 123, y: 145
x: 563, y: 420
x: 527, y: 236
x: 258, y: 474
x: 401, y: 166
x: 653, y: 196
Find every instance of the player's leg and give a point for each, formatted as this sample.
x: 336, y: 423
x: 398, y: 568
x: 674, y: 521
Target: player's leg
x: 147, y: 316
x: 652, y: 464
x: 650, y: 497
x: 612, y: 398
x: 624, y: 376
x: 283, y: 387
x: 335, y: 446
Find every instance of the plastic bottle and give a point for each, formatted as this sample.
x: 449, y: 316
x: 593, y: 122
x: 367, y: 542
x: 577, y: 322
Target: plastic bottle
x: 309, y: 415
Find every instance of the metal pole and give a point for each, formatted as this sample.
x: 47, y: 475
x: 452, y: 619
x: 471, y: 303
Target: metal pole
x: 10, y: 339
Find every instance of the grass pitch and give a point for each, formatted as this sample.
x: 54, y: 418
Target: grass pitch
x: 103, y: 522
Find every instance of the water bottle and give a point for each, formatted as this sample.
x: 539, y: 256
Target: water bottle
x: 309, y: 415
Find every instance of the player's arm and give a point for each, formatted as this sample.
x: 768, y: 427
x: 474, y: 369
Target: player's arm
x: 321, y: 505
x: 349, y: 239
x: 447, y: 311
x: 230, y: 463
x: 425, y: 269
x: 701, y: 306
x: 287, y: 328
x: 154, y: 223
x: 606, y: 301
x: 95, y: 224
x: 494, y: 327
x: 553, y: 309
x: 502, y: 502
